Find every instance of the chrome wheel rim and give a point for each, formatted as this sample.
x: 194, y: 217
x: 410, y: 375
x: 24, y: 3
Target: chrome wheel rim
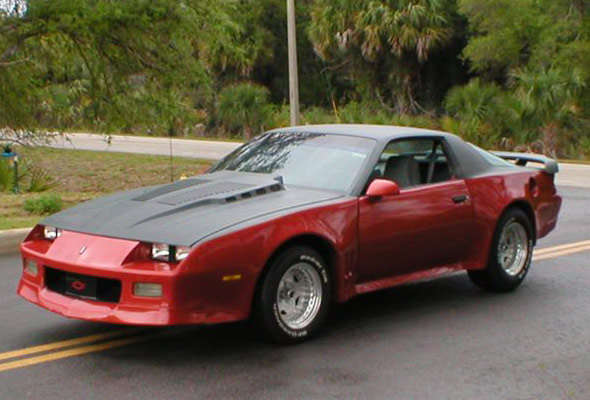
x: 513, y: 248
x: 299, y: 296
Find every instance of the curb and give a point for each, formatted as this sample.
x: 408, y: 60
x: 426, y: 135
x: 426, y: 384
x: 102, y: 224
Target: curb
x: 10, y: 239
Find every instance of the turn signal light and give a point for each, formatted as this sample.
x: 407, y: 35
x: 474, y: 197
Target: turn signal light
x: 31, y: 267
x: 141, y: 289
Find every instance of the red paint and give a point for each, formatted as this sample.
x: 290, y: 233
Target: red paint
x: 419, y: 233
x: 420, y: 228
x: 77, y: 285
x: 382, y: 187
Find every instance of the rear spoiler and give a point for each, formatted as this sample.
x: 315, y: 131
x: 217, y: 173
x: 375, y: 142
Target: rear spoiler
x: 549, y: 165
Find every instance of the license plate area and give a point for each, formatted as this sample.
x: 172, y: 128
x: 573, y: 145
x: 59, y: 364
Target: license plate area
x: 82, y: 286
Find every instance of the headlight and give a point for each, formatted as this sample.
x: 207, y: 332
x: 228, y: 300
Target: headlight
x: 181, y: 252
x: 165, y: 252
x: 51, y: 233
x: 161, y: 251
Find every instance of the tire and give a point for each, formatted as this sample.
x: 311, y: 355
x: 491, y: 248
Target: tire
x: 507, y: 266
x: 283, y: 310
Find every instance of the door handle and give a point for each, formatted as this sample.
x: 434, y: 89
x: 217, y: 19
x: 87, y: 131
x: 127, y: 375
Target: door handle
x: 462, y: 198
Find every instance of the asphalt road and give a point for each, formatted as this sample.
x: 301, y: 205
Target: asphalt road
x: 442, y: 339
x: 570, y: 174
x: 204, y: 149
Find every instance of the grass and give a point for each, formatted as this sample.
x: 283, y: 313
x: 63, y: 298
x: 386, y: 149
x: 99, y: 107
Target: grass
x: 570, y: 161
x: 82, y: 175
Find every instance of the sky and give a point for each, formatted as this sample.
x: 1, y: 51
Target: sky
x: 8, y: 6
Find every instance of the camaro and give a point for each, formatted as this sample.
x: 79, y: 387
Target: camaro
x: 291, y: 222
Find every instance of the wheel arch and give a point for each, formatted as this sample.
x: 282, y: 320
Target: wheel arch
x: 526, y: 207
x: 317, y: 242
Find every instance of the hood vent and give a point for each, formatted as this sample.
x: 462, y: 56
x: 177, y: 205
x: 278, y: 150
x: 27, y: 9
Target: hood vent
x: 258, y: 192
x: 213, y: 190
x: 190, y: 192
x: 179, y: 185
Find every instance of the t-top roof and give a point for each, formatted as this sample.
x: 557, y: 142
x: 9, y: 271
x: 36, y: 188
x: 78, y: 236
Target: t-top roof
x: 377, y: 132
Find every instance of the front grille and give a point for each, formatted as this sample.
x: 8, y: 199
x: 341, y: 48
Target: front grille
x: 82, y: 286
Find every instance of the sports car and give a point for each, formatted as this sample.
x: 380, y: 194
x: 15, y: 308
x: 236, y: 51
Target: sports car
x: 291, y: 222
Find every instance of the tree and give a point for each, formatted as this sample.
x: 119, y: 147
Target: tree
x: 550, y: 99
x: 394, y: 37
x: 108, y: 65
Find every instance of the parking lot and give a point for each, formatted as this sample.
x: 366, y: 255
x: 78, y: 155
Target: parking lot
x: 442, y: 339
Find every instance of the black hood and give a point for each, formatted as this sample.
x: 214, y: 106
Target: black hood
x: 187, y: 211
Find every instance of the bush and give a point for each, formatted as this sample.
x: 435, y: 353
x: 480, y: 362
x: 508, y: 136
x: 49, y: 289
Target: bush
x: 318, y: 115
x: 38, y: 180
x: 45, y: 204
x: 483, y: 113
x: 244, y: 107
x: 6, y: 176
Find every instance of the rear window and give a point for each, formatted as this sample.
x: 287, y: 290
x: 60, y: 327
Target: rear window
x: 491, y: 158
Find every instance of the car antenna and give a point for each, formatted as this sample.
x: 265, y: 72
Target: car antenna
x: 171, y: 158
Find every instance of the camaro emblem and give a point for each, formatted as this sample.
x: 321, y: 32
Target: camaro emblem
x: 83, y: 249
x: 78, y: 285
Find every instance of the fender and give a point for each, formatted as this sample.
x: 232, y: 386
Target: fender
x: 245, y: 253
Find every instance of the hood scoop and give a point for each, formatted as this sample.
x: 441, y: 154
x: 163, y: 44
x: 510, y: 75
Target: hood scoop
x: 173, y: 187
x: 211, y: 191
x: 191, y: 192
x: 275, y: 187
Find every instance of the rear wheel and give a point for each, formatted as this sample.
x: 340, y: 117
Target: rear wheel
x: 510, y: 256
x: 294, y: 296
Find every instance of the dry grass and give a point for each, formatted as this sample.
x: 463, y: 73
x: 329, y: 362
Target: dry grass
x: 81, y: 175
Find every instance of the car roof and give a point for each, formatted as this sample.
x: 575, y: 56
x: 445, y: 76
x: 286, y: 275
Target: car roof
x: 380, y: 133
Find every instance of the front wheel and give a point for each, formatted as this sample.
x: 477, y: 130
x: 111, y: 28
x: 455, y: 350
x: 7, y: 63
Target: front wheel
x: 294, y: 296
x: 510, y: 256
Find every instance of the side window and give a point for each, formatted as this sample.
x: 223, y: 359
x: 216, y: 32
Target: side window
x: 414, y: 162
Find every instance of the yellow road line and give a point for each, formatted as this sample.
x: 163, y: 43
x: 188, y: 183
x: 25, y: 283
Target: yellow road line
x: 562, y: 247
x: 541, y: 254
x: 66, y: 343
x: 26, y: 362
x: 561, y: 253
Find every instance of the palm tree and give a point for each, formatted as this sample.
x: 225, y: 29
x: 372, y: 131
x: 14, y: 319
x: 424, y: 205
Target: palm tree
x: 550, y: 99
x: 406, y: 30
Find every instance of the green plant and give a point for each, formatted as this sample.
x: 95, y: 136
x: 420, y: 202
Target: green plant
x: 6, y: 176
x: 484, y: 113
x: 44, y: 204
x: 244, y: 106
x: 39, y: 180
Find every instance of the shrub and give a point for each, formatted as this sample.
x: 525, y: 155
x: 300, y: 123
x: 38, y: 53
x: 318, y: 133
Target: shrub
x: 278, y: 117
x: 44, y: 204
x: 244, y: 107
x: 318, y: 115
x: 6, y: 176
x: 364, y: 113
x: 484, y: 113
x: 38, y: 180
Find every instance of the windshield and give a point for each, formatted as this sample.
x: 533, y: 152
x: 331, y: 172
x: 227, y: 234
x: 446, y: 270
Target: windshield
x: 313, y: 160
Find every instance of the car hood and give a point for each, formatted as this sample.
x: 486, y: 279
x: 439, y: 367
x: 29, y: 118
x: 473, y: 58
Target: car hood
x: 187, y: 211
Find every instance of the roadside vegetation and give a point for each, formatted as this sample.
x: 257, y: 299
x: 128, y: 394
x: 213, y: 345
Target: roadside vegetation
x: 73, y: 176
x: 501, y: 73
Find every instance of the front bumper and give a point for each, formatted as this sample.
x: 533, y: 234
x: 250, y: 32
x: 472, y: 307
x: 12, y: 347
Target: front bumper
x: 181, y: 302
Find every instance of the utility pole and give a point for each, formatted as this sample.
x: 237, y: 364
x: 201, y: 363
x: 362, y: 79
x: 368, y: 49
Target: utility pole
x: 293, y: 78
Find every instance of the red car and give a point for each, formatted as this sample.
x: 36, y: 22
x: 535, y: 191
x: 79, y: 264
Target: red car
x: 291, y: 222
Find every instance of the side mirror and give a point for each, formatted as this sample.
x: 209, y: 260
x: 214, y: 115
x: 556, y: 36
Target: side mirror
x: 382, y: 187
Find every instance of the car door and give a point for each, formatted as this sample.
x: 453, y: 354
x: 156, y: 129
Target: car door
x: 428, y: 224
